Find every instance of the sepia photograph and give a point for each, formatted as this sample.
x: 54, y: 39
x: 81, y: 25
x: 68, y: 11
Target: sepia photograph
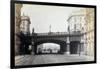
x: 52, y: 33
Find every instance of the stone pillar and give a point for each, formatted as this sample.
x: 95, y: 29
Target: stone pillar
x: 85, y: 48
x: 68, y: 49
x: 32, y: 48
x: 68, y: 46
x: 82, y: 51
x: 79, y: 49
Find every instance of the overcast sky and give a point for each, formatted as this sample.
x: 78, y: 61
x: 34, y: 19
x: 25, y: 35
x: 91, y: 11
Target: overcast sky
x: 42, y: 16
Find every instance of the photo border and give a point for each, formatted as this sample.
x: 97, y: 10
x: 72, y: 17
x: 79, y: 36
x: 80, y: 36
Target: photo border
x: 12, y: 28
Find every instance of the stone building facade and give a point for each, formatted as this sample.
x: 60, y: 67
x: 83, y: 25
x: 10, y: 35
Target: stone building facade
x: 25, y: 24
x: 90, y: 31
x: 25, y: 37
x: 83, y: 21
x: 76, y: 25
x: 17, y: 27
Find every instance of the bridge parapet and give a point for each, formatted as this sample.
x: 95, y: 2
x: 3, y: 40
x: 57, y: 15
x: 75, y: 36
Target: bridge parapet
x: 52, y: 33
x: 64, y: 36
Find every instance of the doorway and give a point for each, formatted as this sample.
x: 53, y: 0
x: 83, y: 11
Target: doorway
x: 74, y: 47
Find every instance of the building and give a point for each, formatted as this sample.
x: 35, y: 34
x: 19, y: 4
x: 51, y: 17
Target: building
x: 25, y: 24
x: 17, y: 27
x: 90, y: 31
x: 76, y: 25
x: 83, y: 21
x: 25, y: 37
x: 76, y: 21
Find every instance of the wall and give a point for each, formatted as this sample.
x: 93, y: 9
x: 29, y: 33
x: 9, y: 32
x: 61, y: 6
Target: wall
x: 17, y: 27
x: 5, y: 35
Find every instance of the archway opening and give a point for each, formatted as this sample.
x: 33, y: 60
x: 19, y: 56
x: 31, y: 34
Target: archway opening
x: 48, y: 48
x: 74, y: 47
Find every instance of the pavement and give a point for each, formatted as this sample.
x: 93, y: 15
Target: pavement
x: 50, y: 58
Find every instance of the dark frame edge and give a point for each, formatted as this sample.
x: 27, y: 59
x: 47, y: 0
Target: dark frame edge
x: 12, y: 62
x: 57, y: 64
x: 95, y: 33
x: 54, y: 4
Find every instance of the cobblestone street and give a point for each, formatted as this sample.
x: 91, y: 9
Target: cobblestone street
x: 49, y: 58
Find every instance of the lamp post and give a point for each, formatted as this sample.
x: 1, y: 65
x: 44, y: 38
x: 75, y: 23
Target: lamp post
x: 50, y: 28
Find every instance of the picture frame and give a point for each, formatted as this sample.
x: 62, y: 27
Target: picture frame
x: 70, y: 38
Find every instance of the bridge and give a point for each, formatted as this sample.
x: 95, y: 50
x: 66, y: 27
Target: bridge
x: 70, y: 43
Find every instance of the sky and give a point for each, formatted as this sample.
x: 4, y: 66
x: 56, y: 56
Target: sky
x: 44, y: 16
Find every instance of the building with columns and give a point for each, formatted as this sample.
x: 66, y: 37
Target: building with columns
x: 76, y: 21
x: 83, y: 21
x: 17, y: 27
x: 76, y: 25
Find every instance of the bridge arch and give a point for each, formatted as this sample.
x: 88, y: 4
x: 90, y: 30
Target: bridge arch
x: 61, y: 43
x: 49, y: 48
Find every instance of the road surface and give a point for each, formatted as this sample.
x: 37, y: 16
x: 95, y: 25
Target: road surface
x: 49, y: 58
